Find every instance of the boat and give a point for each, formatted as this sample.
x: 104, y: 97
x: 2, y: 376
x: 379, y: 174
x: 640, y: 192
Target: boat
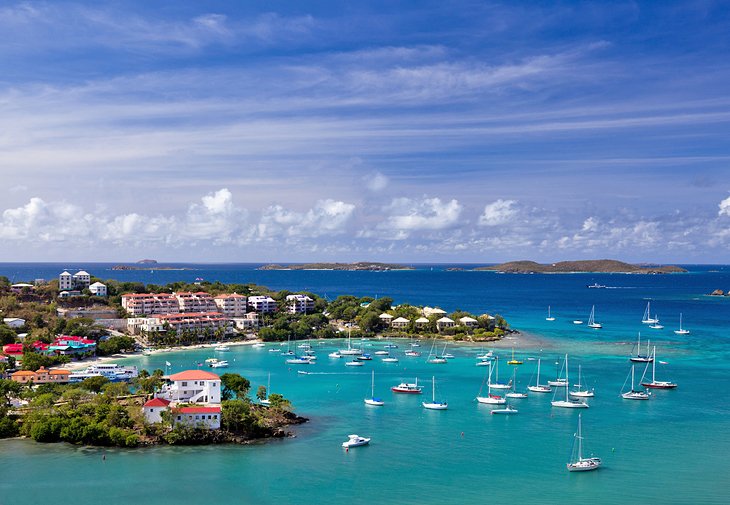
x: 595, y: 285
x: 222, y: 348
x: 657, y: 325
x: 568, y: 403
x: 549, y: 316
x: 335, y: 354
x: 581, y: 392
x: 448, y: 355
x: 647, y: 319
x: 433, y: 404
x: 219, y: 364
x: 408, y: 388
x: 592, y: 320
x: 355, y: 441
x: 413, y: 354
x: 211, y: 360
x: 258, y: 345
x: 559, y: 382
x: 298, y: 360
x: 435, y: 359
x: 681, y: 331
x: 274, y: 350
x: 390, y: 359
x: 265, y: 401
x: 514, y: 393
x: 655, y: 384
x: 577, y: 321
x: 577, y: 462
x: 506, y: 410
x: 390, y: 346
x: 514, y: 361
x: 490, y: 399
x: 364, y: 357
x: 354, y: 362
x: 484, y: 362
x: 350, y: 351
x: 539, y: 388
x: 381, y: 353
x: 375, y: 402
x: 641, y: 358
x: 485, y: 355
x: 496, y: 384
x: 634, y: 394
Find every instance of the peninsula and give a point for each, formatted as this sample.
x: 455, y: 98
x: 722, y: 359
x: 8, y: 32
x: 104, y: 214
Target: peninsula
x: 584, y: 266
x: 360, y: 265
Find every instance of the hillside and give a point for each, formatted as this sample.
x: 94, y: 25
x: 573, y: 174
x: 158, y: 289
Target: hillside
x: 588, y: 266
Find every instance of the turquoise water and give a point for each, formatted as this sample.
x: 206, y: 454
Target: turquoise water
x: 671, y: 449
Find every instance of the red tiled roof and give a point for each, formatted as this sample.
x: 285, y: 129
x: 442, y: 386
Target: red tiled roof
x: 194, y: 375
x: 157, y: 402
x: 199, y: 410
x: 23, y: 373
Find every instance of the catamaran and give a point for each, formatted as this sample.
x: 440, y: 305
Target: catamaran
x: 655, y: 384
x: 647, y: 319
x: 375, y: 402
x: 592, y: 320
x: 490, y: 399
x: 681, y: 331
x: 568, y: 403
x: 581, y: 392
x: 634, y: 394
x: 433, y: 404
x: 549, y: 316
x: 641, y: 358
x: 577, y: 462
x: 539, y: 388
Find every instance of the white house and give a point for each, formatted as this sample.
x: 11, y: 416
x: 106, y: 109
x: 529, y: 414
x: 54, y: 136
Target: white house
x: 198, y: 417
x: 262, y: 304
x: 248, y: 322
x: 468, y: 321
x: 154, y: 408
x: 385, y: 318
x: 421, y: 322
x: 193, y: 386
x: 445, y: 322
x: 65, y: 281
x: 430, y: 311
x: 14, y: 322
x: 81, y: 279
x: 98, y: 289
x: 299, y: 304
x: 399, y: 322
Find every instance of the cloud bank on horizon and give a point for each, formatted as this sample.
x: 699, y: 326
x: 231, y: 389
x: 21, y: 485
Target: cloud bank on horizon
x: 422, y: 131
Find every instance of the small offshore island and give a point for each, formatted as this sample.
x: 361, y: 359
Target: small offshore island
x: 360, y: 265
x: 583, y: 266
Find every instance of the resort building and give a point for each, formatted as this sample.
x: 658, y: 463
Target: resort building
x: 299, y: 304
x: 14, y: 322
x: 198, y: 417
x: 190, y: 386
x: 444, y: 322
x: 248, y: 322
x: 76, y: 282
x: 42, y: 376
x: 233, y: 305
x: 385, y: 318
x: 139, y: 325
x: 16, y: 350
x: 195, y: 302
x: 147, y: 304
x: 422, y: 322
x: 262, y: 304
x: 21, y: 286
x: 469, y: 322
x: 65, y: 345
x: 69, y: 294
x: 193, y: 386
x: 430, y: 311
x: 400, y: 323
x: 154, y: 408
x: 98, y: 289
x: 195, y: 322
x: 65, y: 281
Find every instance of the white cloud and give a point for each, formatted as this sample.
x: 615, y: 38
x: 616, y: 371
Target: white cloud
x: 498, y: 213
x: 327, y: 217
x: 376, y: 181
x: 724, y: 207
x: 590, y: 225
x: 409, y: 215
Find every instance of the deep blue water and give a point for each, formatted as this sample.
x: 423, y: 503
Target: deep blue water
x: 671, y: 449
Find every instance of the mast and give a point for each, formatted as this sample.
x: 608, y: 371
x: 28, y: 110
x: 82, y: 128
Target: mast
x: 653, y: 366
x: 538, y: 372
x: 632, y: 378
x: 580, y: 440
x: 372, y: 387
x: 433, y: 389
x: 567, y: 380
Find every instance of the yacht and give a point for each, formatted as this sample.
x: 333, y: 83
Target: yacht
x: 568, y: 403
x: 539, y: 388
x: 219, y: 364
x: 634, y: 394
x: 355, y: 441
x: 577, y: 462
x: 408, y: 388
x: 221, y: 348
x: 433, y: 404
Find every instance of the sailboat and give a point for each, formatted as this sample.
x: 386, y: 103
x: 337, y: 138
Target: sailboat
x: 633, y: 394
x: 490, y: 399
x: 549, y: 317
x: 539, y: 388
x: 507, y: 409
x: 655, y: 384
x: 375, y: 402
x: 656, y: 325
x: 350, y: 351
x: 433, y: 404
x: 514, y: 361
x: 496, y: 384
x: 435, y: 359
x: 641, y: 358
x: 581, y: 392
x: 592, y: 320
x: 568, y: 403
x: 577, y: 462
x: 559, y: 381
x: 647, y: 319
x: 288, y: 352
x: 681, y: 331
x: 266, y: 401
x: 514, y: 393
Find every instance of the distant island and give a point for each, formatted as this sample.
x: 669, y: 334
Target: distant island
x: 147, y: 262
x: 147, y: 266
x: 584, y: 266
x: 360, y: 265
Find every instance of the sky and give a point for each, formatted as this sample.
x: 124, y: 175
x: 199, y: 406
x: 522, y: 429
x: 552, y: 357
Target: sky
x: 425, y: 131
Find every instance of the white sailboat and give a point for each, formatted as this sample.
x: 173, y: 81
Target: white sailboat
x: 506, y: 410
x: 435, y: 359
x: 375, y: 402
x: 559, y: 382
x: 681, y: 331
x: 655, y: 384
x: 577, y: 462
x: 641, y: 358
x: 350, y: 351
x: 549, y: 316
x: 634, y: 394
x: 657, y: 325
x: 592, y: 320
x: 568, y: 403
x: 514, y: 393
x: 433, y: 404
x: 582, y: 392
x: 496, y: 384
x: 490, y: 399
x: 539, y: 388
x: 266, y: 401
x: 647, y: 319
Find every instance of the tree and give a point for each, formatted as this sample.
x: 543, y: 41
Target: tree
x: 94, y: 384
x: 277, y: 401
x: 369, y: 322
x: 9, y: 389
x: 234, y: 385
x: 7, y: 335
x: 261, y: 393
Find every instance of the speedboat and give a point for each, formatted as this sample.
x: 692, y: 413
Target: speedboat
x: 335, y: 355
x: 222, y: 348
x: 355, y: 441
x: 298, y: 361
x: 354, y: 362
x: 219, y: 364
x: 406, y: 387
x: 381, y: 353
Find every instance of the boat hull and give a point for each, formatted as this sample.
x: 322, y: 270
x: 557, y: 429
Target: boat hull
x: 374, y: 402
x: 659, y: 385
x: 585, y: 465
x: 569, y: 405
x: 540, y: 389
x: 435, y: 406
x: 491, y: 400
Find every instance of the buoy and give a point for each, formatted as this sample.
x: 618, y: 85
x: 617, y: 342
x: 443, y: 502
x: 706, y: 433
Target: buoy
x: 462, y: 433
x: 347, y: 449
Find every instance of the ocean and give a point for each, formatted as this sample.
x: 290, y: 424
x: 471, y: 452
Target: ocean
x: 671, y: 449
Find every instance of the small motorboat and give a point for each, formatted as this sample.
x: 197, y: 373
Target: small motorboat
x: 390, y: 360
x: 335, y: 355
x: 409, y: 388
x: 298, y: 361
x: 355, y: 441
x: 219, y: 364
x: 413, y: 354
x: 354, y: 362
x: 506, y: 410
x: 222, y: 348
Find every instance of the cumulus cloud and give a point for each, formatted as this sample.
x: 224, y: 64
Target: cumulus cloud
x: 724, y: 207
x: 327, y: 217
x: 497, y: 213
x: 408, y: 214
x: 376, y: 181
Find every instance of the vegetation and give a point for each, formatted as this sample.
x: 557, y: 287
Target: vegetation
x: 604, y: 266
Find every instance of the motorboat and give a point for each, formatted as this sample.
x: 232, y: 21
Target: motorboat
x: 364, y: 357
x: 219, y: 364
x: 507, y: 410
x: 298, y: 361
x: 355, y: 441
x: 335, y: 354
x: 222, y: 348
x: 408, y: 388
x: 413, y: 354
x: 381, y: 353
x: 390, y: 359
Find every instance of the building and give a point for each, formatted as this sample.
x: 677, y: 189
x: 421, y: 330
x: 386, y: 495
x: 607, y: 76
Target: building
x: 42, y: 376
x: 98, y: 289
x: 469, y: 322
x: 76, y: 282
x: 193, y: 386
x: 248, y: 322
x: 96, y: 312
x: 195, y: 302
x: 233, y: 305
x: 139, y: 325
x: 385, y: 318
x: 65, y: 281
x: 208, y: 418
x: 195, y: 322
x: 66, y: 345
x: 147, y: 304
x: 399, y: 323
x: 430, y: 311
x: 16, y: 350
x: 262, y: 304
x: 445, y: 322
x: 69, y: 294
x: 422, y: 322
x: 154, y: 408
x: 299, y: 304
x: 21, y: 286
x: 81, y: 279
x: 14, y: 322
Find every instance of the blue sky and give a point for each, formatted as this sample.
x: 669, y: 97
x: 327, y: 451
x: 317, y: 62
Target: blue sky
x: 464, y: 131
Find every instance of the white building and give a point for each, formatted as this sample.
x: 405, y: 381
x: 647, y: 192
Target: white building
x: 98, y: 289
x: 385, y: 318
x: 445, y: 322
x: 429, y: 311
x: 468, y: 321
x: 78, y: 281
x: 208, y: 418
x: 233, y: 305
x: 65, y: 281
x: 195, y: 321
x: 138, y: 325
x: 154, y: 408
x: 400, y: 323
x: 193, y: 386
x: 248, y: 322
x: 81, y: 279
x: 262, y: 304
x: 422, y: 322
x: 299, y: 304
x: 147, y: 303
x: 14, y: 322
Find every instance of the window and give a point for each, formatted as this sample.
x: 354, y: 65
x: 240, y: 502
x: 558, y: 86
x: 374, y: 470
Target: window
x: 184, y: 384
